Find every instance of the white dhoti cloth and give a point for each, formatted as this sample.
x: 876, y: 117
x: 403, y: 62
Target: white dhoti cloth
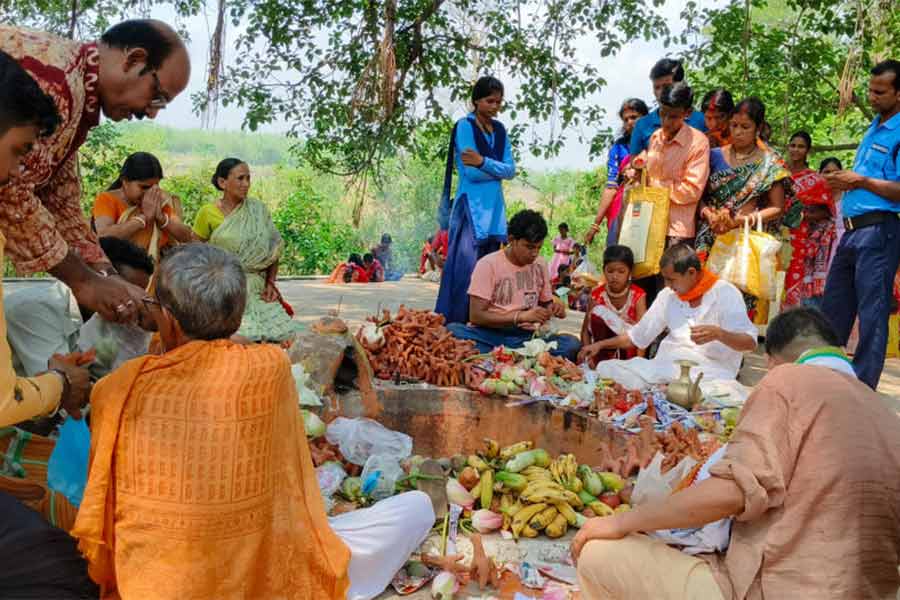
x: 381, y: 539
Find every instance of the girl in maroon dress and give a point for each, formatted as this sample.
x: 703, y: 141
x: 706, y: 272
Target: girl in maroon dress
x: 615, y: 305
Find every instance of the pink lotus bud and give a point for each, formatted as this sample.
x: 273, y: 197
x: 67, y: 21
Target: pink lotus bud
x: 444, y: 586
x: 457, y: 494
x: 485, y: 521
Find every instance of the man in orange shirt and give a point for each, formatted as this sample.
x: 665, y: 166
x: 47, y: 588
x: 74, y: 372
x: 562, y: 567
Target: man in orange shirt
x: 678, y: 160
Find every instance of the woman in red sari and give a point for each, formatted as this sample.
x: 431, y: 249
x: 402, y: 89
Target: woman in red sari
x: 615, y: 306
x: 812, y: 239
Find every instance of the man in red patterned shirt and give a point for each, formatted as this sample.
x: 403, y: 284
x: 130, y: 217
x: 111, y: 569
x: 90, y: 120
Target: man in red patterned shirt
x: 134, y: 70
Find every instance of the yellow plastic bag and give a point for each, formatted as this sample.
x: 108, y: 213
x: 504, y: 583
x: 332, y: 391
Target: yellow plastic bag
x: 748, y: 259
x: 645, y: 225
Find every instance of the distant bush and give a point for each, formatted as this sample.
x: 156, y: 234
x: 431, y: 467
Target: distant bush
x: 314, y: 242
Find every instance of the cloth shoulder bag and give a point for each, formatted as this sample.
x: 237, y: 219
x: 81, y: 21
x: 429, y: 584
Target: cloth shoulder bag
x: 644, y: 226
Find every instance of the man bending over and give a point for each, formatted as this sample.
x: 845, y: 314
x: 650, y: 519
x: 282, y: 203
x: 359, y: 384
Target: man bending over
x: 200, y: 482
x: 810, y: 476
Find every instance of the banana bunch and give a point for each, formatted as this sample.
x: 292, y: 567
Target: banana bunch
x: 564, y: 471
x: 546, y: 496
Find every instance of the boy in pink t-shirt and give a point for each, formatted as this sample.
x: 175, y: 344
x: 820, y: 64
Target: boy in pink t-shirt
x: 510, y: 295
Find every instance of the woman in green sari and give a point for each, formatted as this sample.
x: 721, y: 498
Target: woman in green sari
x: 748, y: 181
x: 243, y: 226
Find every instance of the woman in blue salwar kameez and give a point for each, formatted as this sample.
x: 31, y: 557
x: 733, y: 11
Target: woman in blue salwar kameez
x: 476, y: 219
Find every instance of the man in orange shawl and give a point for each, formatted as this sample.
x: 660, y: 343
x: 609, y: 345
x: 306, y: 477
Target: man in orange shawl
x: 706, y: 320
x: 201, y: 483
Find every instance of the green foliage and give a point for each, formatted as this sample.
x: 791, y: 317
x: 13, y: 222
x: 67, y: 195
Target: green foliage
x: 793, y: 56
x: 571, y: 197
x: 358, y: 79
x: 314, y: 242
x: 100, y: 159
x: 257, y: 149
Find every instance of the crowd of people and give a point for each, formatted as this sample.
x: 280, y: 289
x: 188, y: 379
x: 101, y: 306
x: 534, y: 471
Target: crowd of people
x: 721, y: 173
x: 200, y: 481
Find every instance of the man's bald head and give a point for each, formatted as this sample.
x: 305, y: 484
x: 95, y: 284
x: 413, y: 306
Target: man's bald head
x: 144, y: 65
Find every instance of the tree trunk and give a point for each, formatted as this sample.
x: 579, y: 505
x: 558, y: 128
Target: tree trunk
x: 73, y: 20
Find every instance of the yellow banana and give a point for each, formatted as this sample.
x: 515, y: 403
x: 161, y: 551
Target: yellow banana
x: 622, y: 508
x: 574, y: 485
x: 546, y: 496
x: 476, y: 491
x: 573, y: 500
x: 600, y: 509
x: 487, y: 489
x: 567, y: 511
x: 491, y: 448
x: 557, y: 528
x: 543, y: 518
x: 512, y: 509
x: 539, y: 494
x: 477, y: 463
x: 529, y: 532
x: 533, y: 473
x: 538, y: 483
x: 517, y: 448
x: 554, y: 470
x: 522, y: 517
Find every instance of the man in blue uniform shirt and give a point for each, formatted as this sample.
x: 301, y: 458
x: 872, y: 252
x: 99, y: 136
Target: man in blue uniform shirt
x: 862, y: 273
x: 665, y: 72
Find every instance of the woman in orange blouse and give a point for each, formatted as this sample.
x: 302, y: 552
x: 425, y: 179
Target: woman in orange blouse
x: 136, y: 209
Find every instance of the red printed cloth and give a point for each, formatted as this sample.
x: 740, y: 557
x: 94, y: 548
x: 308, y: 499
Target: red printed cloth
x: 811, y: 241
x: 606, y: 321
x: 40, y: 212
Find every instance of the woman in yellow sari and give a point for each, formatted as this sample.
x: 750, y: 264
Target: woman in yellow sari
x: 244, y: 227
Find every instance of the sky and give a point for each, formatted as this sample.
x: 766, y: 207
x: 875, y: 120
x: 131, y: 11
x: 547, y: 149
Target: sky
x: 626, y: 74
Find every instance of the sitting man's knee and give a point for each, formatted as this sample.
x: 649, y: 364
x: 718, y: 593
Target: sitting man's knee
x: 421, y: 511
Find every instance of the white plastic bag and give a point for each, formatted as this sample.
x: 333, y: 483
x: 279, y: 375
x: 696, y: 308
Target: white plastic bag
x: 712, y: 537
x: 653, y: 485
x: 360, y: 438
x: 330, y: 476
x: 379, y: 476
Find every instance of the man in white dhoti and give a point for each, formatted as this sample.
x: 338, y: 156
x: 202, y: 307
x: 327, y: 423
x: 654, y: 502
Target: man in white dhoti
x: 707, y: 323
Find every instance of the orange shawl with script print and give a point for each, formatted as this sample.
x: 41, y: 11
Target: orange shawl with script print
x: 201, y: 483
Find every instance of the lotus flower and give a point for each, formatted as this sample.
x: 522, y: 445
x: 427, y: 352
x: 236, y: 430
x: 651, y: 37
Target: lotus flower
x: 458, y: 494
x: 485, y: 521
x: 444, y: 586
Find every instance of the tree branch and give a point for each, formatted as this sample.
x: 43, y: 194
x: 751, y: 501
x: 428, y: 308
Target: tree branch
x: 865, y: 110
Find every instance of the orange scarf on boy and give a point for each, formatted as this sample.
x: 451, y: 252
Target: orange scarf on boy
x: 707, y: 280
